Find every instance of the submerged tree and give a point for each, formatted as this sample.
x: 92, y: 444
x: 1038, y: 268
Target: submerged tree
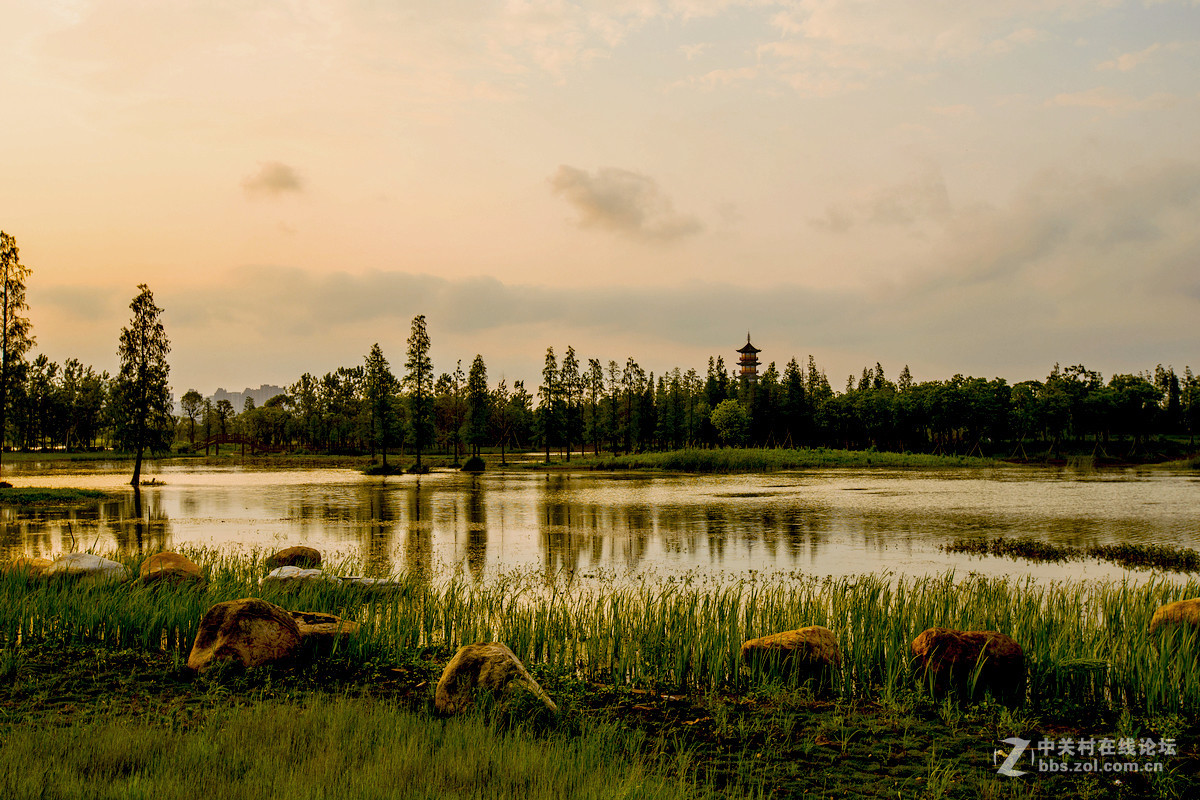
x: 143, y: 398
x: 15, y: 339
x: 419, y: 378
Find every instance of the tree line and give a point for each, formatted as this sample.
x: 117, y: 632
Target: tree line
x: 588, y: 406
x: 581, y: 404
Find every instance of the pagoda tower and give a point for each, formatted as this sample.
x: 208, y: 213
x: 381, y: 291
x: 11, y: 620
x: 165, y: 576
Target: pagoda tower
x: 748, y: 361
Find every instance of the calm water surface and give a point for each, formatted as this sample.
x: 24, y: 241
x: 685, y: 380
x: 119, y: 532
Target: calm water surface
x: 825, y: 522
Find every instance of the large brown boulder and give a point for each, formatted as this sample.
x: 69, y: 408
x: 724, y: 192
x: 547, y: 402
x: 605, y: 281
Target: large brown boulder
x: 809, y: 652
x: 489, y: 667
x: 250, y: 631
x: 947, y: 660
x: 1180, y: 614
x: 323, y: 631
x: 298, y: 556
x: 170, y: 568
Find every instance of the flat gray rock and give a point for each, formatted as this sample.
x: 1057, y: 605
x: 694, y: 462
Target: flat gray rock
x: 87, y: 566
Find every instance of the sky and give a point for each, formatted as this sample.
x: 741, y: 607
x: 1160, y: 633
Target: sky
x: 960, y: 186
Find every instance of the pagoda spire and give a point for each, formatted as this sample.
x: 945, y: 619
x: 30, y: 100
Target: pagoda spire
x: 748, y: 361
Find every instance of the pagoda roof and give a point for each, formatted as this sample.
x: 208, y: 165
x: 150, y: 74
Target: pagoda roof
x: 748, y: 348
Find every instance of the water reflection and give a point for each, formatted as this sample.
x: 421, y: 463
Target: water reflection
x: 477, y: 536
x: 136, y: 523
x: 832, y: 522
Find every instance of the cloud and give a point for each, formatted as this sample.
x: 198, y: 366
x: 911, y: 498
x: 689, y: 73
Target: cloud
x: 1107, y: 99
x: 273, y: 179
x: 920, y: 199
x: 824, y: 48
x: 624, y: 202
x: 1126, y: 62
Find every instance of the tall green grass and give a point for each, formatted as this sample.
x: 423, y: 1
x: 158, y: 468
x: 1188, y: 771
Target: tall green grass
x: 341, y: 748
x: 672, y: 634
x: 755, y: 459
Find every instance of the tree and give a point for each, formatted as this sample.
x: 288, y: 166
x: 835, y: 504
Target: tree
x: 380, y: 385
x: 570, y: 389
x: 419, y: 379
x: 731, y: 422
x: 224, y: 410
x: 143, y: 398
x: 192, y: 404
x: 595, y: 386
x: 548, y: 399
x: 479, y: 401
x: 15, y: 339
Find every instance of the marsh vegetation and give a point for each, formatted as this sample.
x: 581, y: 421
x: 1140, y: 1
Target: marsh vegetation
x: 645, y: 667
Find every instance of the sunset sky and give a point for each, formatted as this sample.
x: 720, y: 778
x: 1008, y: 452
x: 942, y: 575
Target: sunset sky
x: 959, y: 185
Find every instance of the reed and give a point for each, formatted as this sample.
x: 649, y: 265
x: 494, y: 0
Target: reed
x: 674, y: 634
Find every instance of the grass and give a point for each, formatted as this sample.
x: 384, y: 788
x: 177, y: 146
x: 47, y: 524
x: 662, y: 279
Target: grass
x: 733, y: 460
x: 341, y: 747
x: 662, y: 635
x: 36, y: 456
x: 34, y: 496
x: 639, y: 665
x: 1139, y: 556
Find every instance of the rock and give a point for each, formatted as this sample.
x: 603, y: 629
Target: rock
x: 88, y: 567
x: 491, y: 667
x: 370, y: 585
x: 1182, y: 613
x: 250, y: 631
x: 169, y: 568
x: 323, y: 630
x: 294, y: 577
x: 29, y: 564
x: 947, y: 659
x: 812, y: 651
x: 299, y: 556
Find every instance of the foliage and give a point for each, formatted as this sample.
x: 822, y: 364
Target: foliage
x: 380, y: 390
x: 419, y: 380
x: 15, y: 338
x: 731, y: 422
x: 479, y: 407
x: 141, y: 393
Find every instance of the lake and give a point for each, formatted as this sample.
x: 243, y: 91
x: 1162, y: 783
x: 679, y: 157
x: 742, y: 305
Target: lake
x: 824, y: 522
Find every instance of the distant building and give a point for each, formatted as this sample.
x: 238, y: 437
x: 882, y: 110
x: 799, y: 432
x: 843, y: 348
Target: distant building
x: 238, y: 399
x: 748, y: 361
